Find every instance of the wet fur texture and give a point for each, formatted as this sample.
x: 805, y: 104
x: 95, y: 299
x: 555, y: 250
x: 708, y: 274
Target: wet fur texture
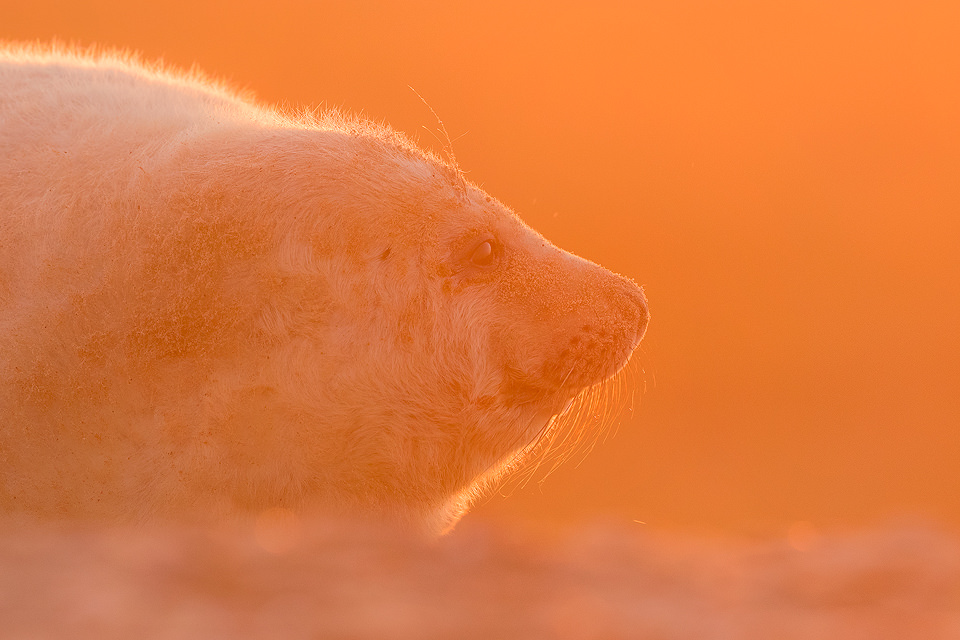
x: 211, y: 308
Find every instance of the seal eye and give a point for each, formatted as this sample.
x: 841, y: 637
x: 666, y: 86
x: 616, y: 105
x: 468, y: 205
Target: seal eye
x: 482, y: 256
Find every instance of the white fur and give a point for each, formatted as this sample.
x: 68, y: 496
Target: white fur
x: 208, y: 307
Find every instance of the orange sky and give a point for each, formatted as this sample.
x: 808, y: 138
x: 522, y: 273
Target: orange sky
x: 783, y: 177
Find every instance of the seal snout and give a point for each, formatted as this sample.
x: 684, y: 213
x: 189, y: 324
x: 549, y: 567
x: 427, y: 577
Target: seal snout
x: 601, y: 336
x: 642, y: 312
x: 630, y: 305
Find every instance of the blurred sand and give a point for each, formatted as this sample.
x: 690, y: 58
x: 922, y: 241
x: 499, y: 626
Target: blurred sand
x: 328, y: 580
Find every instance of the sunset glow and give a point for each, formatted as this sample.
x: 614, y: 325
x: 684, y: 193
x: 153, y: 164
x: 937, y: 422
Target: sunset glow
x: 781, y: 177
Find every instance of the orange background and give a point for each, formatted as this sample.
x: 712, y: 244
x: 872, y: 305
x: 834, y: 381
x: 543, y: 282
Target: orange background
x: 784, y: 177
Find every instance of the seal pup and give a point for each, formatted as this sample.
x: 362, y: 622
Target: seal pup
x: 211, y: 308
